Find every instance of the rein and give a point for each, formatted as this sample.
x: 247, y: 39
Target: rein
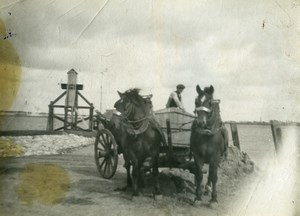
x: 215, y: 122
x: 128, y: 113
x: 134, y: 121
x: 131, y: 129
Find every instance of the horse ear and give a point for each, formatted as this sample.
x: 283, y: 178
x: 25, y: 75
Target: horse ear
x: 211, y: 90
x: 120, y: 94
x: 198, y: 89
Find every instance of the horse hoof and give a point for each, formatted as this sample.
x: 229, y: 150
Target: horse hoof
x: 213, y: 205
x: 135, y: 198
x: 121, y: 188
x: 197, y: 203
x: 158, y: 197
x: 208, y: 189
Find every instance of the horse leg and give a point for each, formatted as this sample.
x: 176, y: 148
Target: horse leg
x: 147, y: 164
x: 198, y: 177
x: 135, y: 178
x: 141, y: 182
x: 156, y: 178
x: 129, y: 181
x: 208, y: 185
x: 213, y: 172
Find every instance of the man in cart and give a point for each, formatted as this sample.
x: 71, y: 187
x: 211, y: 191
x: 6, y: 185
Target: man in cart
x: 175, y: 99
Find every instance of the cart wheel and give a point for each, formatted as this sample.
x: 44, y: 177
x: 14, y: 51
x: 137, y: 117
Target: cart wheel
x: 106, y: 153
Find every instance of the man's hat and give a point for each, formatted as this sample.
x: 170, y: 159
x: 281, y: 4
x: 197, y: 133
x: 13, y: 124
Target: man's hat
x: 180, y: 86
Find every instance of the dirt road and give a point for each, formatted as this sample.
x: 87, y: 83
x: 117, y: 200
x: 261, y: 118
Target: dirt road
x: 70, y: 185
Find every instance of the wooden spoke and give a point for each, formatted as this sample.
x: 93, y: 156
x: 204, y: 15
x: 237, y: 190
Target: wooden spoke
x: 112, y: 161
x: 106, y: 154
x: 107, y: 140
x: 103, y: 163
x: 108, y: 165
x: 105, y: 166
x: 102, y: 153
x: 102, y: 141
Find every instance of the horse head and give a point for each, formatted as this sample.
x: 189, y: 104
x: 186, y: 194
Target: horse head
x: 209, y: 139
x: 132, y: 105
x: 203, y: 105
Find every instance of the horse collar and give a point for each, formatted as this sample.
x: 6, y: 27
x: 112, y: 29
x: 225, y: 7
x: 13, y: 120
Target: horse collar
x: 131, y: 130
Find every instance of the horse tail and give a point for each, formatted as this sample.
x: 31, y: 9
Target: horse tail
x: 226, y: 139
x: 157, y: 127
x: 191, y: 153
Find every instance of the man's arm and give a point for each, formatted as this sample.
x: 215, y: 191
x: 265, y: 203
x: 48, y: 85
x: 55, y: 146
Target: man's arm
x: 177, y: 101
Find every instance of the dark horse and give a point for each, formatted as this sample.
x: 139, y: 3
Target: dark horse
x: 209, y: 139
x: 140, y: 138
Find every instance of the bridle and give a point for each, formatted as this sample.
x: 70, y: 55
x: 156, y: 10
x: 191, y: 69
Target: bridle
x: 127, y: 113
x: 131, y: 108
x: 212, y: 118
x: 202, y: 108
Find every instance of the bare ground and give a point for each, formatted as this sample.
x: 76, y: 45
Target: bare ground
x: 89, y: 194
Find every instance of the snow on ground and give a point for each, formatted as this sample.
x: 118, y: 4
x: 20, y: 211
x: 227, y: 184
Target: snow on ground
x: 43, y: 144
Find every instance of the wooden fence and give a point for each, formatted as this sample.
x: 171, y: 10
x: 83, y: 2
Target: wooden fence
x: 275, y: 129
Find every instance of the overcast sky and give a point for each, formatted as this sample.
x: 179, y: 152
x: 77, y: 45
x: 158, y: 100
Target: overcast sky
x: 248, y: 50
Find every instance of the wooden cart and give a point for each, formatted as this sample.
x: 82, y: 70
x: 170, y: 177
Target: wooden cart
x: 176, y: 126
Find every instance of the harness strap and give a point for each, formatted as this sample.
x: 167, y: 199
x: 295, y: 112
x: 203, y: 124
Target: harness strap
x: 202, y: 108
x: 136, y: 121
x: 131, y: 130
x: 133, y: 121
x: 156, y: 125
x: 215, y: 123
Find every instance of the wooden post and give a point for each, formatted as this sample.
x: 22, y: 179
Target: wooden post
x: 66, y: 118
x: 169, y: 135
x: 277, y: 135
x: 235, y: 135
x: 76, y: 109
x: 91, y: 117
x: 279, y: 138
x: 72, y: 117
x: 50, y: 117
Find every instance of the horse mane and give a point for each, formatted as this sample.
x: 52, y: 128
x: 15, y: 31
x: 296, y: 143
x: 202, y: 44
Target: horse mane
x: 134, y: 93
x: 135, y: 97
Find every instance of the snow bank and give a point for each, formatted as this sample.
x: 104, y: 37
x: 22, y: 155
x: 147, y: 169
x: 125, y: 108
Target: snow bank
x: 43, y: 144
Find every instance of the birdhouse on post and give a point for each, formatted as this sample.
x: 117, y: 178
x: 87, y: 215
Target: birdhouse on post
x: 71, y: 114
x: 71, y: 89
x: 71, y: 98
